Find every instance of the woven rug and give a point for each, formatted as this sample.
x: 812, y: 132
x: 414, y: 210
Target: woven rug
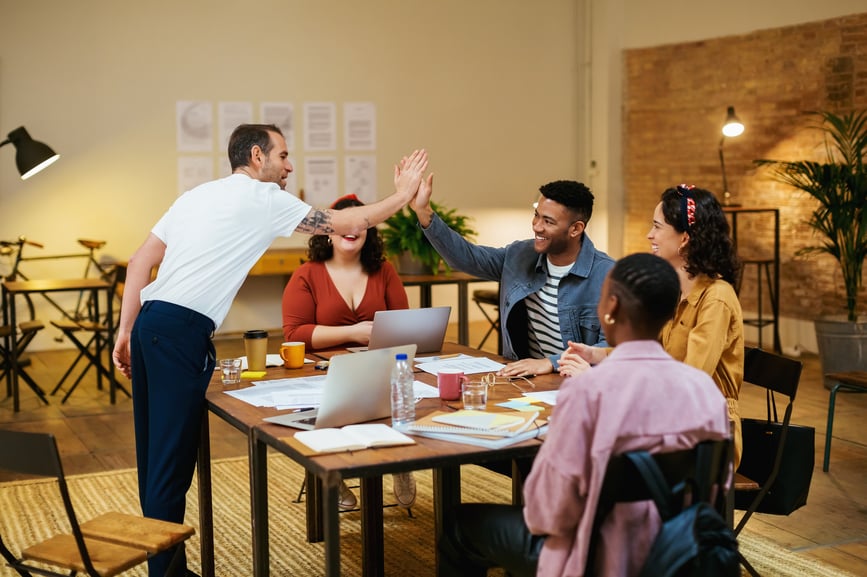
x: 409, y: 548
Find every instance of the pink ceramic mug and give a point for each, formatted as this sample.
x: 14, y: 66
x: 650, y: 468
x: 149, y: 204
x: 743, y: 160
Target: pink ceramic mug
x: 450, y: 382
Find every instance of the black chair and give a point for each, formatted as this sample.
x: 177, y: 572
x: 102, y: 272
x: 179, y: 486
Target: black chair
x: 491, y: 298
x: 757, y: 472
x: 105, y: 546
x: 28, y: 331
x: 91, y: 338
x: 708, y: 465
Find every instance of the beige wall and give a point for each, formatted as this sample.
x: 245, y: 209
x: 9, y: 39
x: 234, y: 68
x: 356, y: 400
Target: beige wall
x: 489, y: 87
x: 506, y: 95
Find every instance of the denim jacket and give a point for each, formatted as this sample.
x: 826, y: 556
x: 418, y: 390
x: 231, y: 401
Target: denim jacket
x: 521, y: 272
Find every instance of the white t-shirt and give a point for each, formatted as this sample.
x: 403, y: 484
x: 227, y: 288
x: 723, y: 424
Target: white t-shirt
x: 214, y: 234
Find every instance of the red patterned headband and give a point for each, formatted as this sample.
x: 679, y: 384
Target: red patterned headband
x: 687, y: 206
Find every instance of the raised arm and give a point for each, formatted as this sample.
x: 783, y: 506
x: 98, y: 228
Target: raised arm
x: 356, y: 219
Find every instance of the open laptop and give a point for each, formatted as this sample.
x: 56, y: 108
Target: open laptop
x: 357, y: 389
x: 424, y: 327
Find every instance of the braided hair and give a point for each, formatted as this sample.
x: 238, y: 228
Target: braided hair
x: 647, y: 288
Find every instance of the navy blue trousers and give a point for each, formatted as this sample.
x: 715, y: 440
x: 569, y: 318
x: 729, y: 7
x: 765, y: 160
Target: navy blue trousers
x: 172, y: 359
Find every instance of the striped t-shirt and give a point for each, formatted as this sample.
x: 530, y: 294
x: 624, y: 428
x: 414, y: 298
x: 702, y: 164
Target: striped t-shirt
x: 543, y: 320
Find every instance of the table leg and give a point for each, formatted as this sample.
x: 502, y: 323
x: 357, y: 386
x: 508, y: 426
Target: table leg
x: 447, y: 496
x: 463, y: 313
x: 425, y: 295
x: 206, y: 506
x: 259, y: 505
x: 331, y: 521
x: 314, y: 508
x: 372, y: 533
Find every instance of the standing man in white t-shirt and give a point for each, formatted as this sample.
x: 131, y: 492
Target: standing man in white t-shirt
x: 205, y: 245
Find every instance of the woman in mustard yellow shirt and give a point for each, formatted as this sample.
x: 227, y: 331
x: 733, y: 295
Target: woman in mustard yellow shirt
x: 691, y: 232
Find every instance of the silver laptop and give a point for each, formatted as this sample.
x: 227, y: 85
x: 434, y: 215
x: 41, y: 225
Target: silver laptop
x: 425, y: 327
x: 357, y: 389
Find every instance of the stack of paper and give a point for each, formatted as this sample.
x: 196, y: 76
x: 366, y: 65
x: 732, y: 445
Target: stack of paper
x: 485, y: 429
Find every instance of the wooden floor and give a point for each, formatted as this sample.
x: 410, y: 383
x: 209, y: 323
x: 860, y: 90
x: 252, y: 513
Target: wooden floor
x: 96, y: 436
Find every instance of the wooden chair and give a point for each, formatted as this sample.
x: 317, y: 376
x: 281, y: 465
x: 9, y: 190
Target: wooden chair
x: 105, y: 546
x: 28, y: 333
x: 776, y: 374
x: 708, y: 464
x: 848, y: 381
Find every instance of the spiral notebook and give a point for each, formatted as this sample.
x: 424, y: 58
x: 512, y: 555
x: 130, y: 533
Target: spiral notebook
x: 476, y: 423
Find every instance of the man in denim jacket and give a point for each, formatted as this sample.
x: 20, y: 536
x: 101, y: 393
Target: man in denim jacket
x: 549, y: 285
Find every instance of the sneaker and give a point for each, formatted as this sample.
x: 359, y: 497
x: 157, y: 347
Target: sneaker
x: 347, y: 498
x: 403, y: 485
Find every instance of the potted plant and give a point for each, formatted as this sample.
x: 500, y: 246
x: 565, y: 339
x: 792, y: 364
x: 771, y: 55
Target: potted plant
x: 405, y: 241
x: 839, y: 185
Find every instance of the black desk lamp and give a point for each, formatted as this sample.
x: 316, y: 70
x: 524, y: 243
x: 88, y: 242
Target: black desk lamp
x: 31, y: 156
x: 732, y: 127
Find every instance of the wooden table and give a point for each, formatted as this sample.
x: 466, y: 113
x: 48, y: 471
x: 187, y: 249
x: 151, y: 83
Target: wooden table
x: 12, y: 289
x: 325, y: 472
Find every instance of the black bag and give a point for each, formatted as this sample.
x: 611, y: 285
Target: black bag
x: 696, y: 542
x: 789, y: 491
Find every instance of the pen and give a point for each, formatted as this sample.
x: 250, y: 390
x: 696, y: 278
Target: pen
x: 451, y: 356
x: 302, y: 409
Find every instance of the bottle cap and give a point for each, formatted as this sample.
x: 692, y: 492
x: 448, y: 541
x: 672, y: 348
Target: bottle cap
x: 400, y: 356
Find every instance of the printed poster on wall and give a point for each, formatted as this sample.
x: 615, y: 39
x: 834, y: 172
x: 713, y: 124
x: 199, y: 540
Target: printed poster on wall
x: 359, y: 126
x: 194, y: 125
x: 280, y: 114
x: 360, y: 175
x: 320, y: 180
x: 230, y: 115
x: 320, y: 126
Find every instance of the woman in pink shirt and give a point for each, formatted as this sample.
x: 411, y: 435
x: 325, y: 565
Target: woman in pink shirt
x: 636, y: 398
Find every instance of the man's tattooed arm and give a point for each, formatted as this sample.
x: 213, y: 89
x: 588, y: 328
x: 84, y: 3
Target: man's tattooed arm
x: 316, y: 222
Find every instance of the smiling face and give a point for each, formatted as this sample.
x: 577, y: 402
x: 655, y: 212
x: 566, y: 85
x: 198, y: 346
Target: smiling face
x: 349, y: 244
x: 556, y: 232
x: 275, y: 166
x: 665, y: 241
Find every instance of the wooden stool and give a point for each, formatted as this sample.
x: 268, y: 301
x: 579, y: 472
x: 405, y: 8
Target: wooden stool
x: 852, y: 381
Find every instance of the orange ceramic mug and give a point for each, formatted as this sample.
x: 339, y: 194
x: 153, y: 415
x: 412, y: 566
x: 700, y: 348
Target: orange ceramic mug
x: 292, y: 354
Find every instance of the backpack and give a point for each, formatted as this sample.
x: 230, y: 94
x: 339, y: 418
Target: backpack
x: 695, y: 542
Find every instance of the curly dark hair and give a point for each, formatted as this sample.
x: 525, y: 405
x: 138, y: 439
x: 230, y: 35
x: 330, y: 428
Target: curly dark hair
x: 573, y: 195
x: 710, y: 250
x: 648, y: 288
x: 319, y: 248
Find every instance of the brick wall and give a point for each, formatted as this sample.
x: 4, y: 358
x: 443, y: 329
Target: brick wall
x: 674, y: 106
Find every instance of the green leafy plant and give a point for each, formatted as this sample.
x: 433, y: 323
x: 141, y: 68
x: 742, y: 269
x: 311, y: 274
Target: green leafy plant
x: 402, y: 234
x: 839, y: 184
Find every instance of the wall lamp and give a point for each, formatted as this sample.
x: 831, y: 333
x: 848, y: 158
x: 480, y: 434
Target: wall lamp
x: 732, y: 127
x: 31, y: 155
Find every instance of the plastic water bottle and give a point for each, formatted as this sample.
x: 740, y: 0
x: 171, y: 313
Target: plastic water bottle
x: 402, y: 398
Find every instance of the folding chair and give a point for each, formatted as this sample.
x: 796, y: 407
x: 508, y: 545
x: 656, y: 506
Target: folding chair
x: 708, y: 464
x: 28, y: 332
x: 105, y: 546
x: 776, y: 374
x: 93, y: 345
x: 492, y: 298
